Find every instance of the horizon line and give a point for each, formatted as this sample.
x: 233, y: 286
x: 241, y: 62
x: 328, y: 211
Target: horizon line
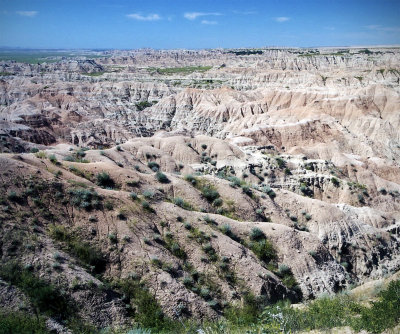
x: 3, y: 48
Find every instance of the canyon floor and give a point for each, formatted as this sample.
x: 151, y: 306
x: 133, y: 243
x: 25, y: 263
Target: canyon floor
x: 148, y: 187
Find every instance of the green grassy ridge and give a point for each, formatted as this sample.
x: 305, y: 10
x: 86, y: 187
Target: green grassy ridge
x: 179, y: 70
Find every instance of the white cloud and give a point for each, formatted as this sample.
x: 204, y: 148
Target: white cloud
x: 209, y: 22
x: 378, y: 27
x: 194, y: 15
x: 281, y: 19
x: 149, y: 17
x: 28, y: 13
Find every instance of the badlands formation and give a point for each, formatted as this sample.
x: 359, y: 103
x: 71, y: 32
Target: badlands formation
x: 206, y: 176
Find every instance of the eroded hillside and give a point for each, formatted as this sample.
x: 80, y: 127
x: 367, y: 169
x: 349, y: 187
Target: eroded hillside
x: 203, y: 178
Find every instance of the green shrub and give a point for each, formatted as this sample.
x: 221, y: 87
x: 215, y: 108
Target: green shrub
x: 161, y: 177
x: 209, y: 220
x: 178, y: 201
x: 40, y: 155
x: 154, y: 260
x: 235, y: 181
x: 143, y: 105
x: 133, y: 183
x: 256, y: 234
x: 247, y: 190
x: 264, y: 250
x: 271, y: 194
x: 146, y: 206
x: 148, y: 193
x: 209, y: 193
x: 85, y: 198
x: 109, y: 205
x: 383, y: 191
x: 53, y: 159
x: 306, y: 191
x: 218, y: 202
x: 133, y: 196
x: 187, y: 281
x: 335, y: 181
x: 104, y: 180
x: 14, y: 197
x: 283, y: 270
x: 34, y: 150
x: 226, y: 229
x: 113, y: 238
x: 154, y: 166
x: 190, y: 178
x: 281, y: 163
x: 177, y: 250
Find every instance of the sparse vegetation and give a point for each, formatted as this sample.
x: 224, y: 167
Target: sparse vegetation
x: 45, y: 298
x: 86, y: 253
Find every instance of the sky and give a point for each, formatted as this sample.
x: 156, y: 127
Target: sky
x: 195, y: 24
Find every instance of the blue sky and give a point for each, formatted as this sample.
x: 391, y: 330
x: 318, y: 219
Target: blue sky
x: 161, y: 24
